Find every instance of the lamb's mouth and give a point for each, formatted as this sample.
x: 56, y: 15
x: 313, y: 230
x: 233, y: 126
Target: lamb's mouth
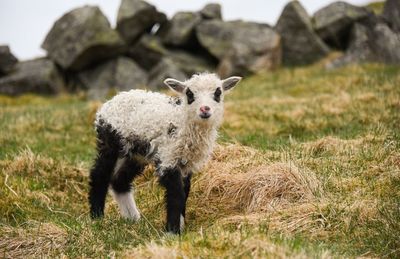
x: 205, y: 116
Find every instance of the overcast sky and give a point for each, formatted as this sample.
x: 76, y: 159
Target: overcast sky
x: 25, y: 23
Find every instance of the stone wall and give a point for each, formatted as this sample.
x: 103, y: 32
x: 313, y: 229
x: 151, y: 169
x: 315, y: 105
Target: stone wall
x: 85, y: 53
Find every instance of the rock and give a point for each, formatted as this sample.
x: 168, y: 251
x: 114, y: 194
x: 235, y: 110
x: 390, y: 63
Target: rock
x: 333, y: 22
x: 148, y: 51
x: 216, y: 36
x: 165, y: 69
x: 242, y: 60
x: 181, y: 29
x: 300, y: 44
x: 211, y: 11
x: 7, y: 60
x: 358, y: 50
x: 190, y: 63
x: 82, y: 37
x: 391, y: 12
x: 39, y: 76
x: 135, y: 17
x: 121, y: 74
x: 241, y: 47
x: 385, y: 44
x: 371, y: 40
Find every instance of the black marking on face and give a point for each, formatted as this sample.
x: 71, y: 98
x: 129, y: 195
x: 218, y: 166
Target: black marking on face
x: 217, y: 95
x: 190, y: 96
x: 171, y: 130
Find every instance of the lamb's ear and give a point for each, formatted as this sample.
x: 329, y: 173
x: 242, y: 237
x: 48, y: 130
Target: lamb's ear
x: 175, y: 85
x: 230, y: 82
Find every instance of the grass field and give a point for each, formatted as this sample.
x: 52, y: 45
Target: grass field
x: 308, y: 165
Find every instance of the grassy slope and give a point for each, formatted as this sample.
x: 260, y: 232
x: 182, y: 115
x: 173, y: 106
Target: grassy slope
x: 341, y: 126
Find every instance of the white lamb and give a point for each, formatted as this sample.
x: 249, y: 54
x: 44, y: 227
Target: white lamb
x: 177, y: 134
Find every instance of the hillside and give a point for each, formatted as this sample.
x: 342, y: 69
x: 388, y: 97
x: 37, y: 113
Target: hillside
x: 308, y: 165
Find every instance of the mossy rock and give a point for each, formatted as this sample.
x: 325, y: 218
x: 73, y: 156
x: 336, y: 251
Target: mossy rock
x: 136, y: 17
x: 364, y: 46
x: 181, y: 29
x: 391, y: 13
x: 241, y: 47
x: 148, y: 51
x: 333, y: 22
x: 7, y: 60
x: 82, y: 37
x: 300, y: 44
x: 39, y: 76
x: 166, y: 68
x: 120, y: 74
x: 211, y: 11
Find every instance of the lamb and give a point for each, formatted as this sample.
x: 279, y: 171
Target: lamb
x: 176, y: 134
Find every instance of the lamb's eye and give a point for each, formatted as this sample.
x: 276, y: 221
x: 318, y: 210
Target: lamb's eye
x: 190, y: 96
x: 217, y: 95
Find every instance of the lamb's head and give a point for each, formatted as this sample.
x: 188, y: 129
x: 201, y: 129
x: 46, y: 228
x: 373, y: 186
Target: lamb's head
x: 203, y: 96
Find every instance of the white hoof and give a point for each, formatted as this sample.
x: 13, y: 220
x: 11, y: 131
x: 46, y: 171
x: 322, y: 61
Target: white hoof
x: 182, y: 223
x: 127, y: 206
x: 130, y: 213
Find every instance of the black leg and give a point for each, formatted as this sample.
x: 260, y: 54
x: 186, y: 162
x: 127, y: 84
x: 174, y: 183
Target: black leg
x: 175, y: 198
x: 99, y: 181
x: 186, y: 188
x: 121, y: 181
x: 108, y: 148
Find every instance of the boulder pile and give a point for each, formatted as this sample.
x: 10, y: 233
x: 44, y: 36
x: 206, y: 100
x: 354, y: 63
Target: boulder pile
x: 7, y: 60
x: 85, y: 53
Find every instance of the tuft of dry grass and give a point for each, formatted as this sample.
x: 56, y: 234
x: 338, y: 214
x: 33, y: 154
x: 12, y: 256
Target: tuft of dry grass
x: 331, y: 145
x: 238, y: 177
x: 154, y: 250
x: 221, y: 244
x: 28, y: 163
x: 32, y: 241
x: 93, y: 107
x: 30, y: 178
x: 305, y: 218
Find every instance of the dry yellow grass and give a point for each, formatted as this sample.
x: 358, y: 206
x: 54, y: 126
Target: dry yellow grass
x: 332, y: 145
x: 246, y: 185
x: 225, y: 245
x: 33, y: 240
x: 28, y: 164
x: 244, y: 180
x: 154, y: 250
x: 321, y: 179
x: 20, y: 174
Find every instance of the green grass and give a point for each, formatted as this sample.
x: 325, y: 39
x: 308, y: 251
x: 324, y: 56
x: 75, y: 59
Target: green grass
x: 341, y: 125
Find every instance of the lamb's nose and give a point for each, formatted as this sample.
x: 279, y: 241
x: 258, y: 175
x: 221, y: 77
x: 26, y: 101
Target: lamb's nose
x: 205, y: 109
